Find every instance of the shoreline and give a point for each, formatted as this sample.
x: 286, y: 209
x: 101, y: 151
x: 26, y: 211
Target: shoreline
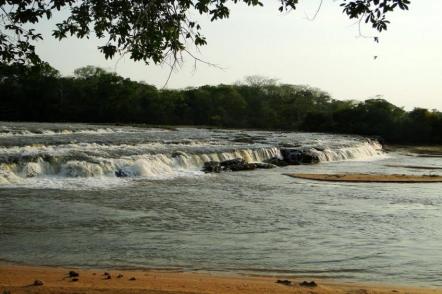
x: 17, y: 279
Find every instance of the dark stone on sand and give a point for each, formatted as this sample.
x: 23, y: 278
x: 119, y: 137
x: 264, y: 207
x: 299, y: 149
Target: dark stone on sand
x: 74, y: 280
x: 38, y: 283
x: 311, y: 284
x: 132, y: 279
x: 107, y: 276
x: 73, y: 274
x: 119, y: 276
x: 284, y: 282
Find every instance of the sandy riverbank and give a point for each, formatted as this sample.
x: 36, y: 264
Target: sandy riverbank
x: 16, y: 279
x: 369, y: 178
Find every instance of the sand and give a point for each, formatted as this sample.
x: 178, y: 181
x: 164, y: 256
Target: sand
x: 17, y: 279
x: 369, y: 178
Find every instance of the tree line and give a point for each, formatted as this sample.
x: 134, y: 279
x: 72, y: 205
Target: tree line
x: 40, y: 93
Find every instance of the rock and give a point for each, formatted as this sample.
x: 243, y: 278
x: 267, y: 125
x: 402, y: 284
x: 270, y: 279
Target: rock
x: 237, y: 164
x: 132, y: 279
x: 73, y: 274
x: 311, y: 284
x: 38, y: 283
x: 284, y: 282
x: 121, y: 173
x: 107, y: 276
x: 276, y: 161
x: 264, y: 165
x: 119, y: 276
x: 299, y: 156
x: 74, y: 280
x: 310, y: 158
x: 292, y: 156
x: 212, y: 167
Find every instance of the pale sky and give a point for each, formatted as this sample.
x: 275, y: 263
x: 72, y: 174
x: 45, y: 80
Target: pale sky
x: 326, y: 53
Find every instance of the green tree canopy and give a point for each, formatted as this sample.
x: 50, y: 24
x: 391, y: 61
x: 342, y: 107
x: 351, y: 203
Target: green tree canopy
x: 147, y: 30
x: 40, y: 93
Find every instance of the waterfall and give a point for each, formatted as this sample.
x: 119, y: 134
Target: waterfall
x: 26, y: 162
x: 145, y: 165
x: 361, y: 151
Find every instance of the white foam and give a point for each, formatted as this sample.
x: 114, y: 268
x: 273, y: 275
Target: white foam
x: 366, y: 151
x: 92, y: 165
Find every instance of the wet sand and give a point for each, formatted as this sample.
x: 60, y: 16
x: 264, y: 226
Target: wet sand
x: 369, y: 178
x: 17, y: 279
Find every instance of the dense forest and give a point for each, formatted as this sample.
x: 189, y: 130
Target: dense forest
x: 40, y: 93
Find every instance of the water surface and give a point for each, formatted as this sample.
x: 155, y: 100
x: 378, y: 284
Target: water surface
x: 61, y: 204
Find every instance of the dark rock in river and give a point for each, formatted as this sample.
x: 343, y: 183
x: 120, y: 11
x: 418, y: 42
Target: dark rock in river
x: 299, y: 156
x: 276, y: 161
x: 237, y: 164
x: 121, y: 173
x: 264, y: 165
x: 310, y: 158
x: 212, y: 167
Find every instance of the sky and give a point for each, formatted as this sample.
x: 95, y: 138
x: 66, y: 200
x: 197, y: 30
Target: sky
x: 327, y: 53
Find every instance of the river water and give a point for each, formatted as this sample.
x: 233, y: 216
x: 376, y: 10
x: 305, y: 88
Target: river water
x: 62, y: 204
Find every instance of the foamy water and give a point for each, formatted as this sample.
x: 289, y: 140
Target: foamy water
x: 96, y: 154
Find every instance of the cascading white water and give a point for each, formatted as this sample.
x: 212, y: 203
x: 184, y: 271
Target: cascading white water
x: 362, y: 151
x: 153, y: 166
x: 36, y: 152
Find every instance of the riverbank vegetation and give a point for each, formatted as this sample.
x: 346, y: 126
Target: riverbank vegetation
x: 94, y: 95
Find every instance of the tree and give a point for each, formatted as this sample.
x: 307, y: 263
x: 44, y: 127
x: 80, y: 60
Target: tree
x: 147, y: 30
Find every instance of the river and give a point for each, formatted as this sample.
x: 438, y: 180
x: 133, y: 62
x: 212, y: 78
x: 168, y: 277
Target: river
x: 61, y: 203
